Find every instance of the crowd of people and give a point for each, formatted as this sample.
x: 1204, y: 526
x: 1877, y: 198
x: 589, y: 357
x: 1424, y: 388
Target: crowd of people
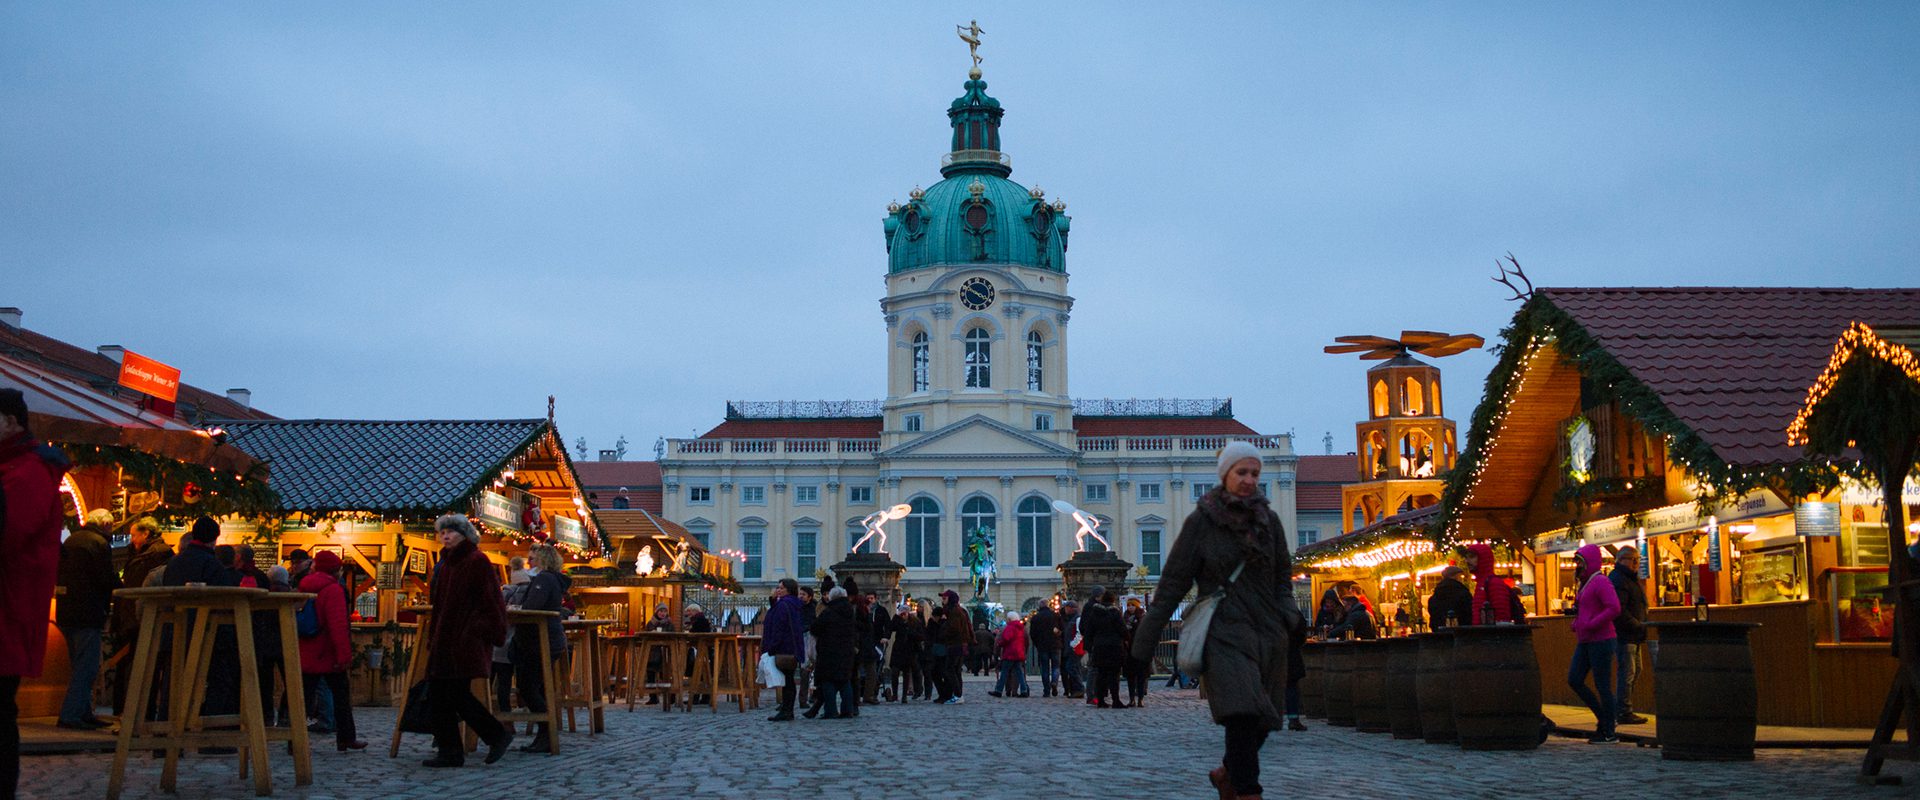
x: 838, y: 648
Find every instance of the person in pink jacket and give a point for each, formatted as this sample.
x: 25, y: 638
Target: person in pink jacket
x: 326, y: 656
x: 1595, y: 607
x: 1012, y: 648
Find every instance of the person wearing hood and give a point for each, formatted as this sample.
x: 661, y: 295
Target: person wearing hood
x: 1234, y: 541
x: 325, y: 656
x: 30, y: 522
x: 1493, y: 599
x: 1012, y: 648
x: 1452, y: 602
x: 1331, y: 610
x: 1593, y: 633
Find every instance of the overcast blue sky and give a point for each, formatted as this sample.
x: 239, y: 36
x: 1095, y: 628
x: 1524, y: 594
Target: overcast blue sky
x: 413, y: 210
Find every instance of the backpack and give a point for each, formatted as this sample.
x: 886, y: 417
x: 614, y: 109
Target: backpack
x: 306, y: 621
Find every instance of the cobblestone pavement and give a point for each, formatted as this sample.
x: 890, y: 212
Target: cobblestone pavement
x: 1030, y: 748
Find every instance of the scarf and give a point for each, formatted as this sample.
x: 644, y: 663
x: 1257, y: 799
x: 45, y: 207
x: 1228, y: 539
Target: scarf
x: 1247, y: 517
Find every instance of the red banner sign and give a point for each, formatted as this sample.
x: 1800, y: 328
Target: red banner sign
x: 150, y: 377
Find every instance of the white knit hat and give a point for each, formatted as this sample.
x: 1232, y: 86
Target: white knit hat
x: 1235, y: 452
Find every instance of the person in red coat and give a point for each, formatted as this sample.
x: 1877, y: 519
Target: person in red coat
x: 326, y: 655
x: 33, y: 511
x: 469, y: 619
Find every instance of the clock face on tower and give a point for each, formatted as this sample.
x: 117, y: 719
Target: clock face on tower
x: 976, y: 293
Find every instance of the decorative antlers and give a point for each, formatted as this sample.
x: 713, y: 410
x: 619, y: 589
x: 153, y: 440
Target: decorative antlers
x: 1506, y: 277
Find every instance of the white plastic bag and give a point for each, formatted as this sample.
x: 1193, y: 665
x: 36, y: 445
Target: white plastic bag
x: 770, y: 675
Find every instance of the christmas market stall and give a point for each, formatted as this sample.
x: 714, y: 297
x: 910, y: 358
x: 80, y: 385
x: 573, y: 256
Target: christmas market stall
x: 133, y: 463
x: 1656, y: 419
x: 654, y: 562
x: 1393, y: 565
x: 370, y: 490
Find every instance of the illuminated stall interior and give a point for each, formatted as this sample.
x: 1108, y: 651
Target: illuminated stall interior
x: 1656, y: 419
x: 655, y: 561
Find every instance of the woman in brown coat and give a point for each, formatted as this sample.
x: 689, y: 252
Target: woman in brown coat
x: 469, y: 620
x: 1247, y: 643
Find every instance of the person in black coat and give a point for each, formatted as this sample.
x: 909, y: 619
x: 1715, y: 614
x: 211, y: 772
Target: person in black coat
x: 1359, y: 622
x: 1452, y: 601
x: 546, y: 590
x: 196, y: 563
x: 1043, y: 639
x: 904, y: 667
x: 867, y: 678
x: 86, y: 573
x: 1069, y: 660
x: 835, y: 641
x: 1331, y: 612
x: 1104, y: 634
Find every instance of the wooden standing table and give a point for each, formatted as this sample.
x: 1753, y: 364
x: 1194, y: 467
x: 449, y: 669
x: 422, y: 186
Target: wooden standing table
x: 587, y: 654
x: 192, y: 617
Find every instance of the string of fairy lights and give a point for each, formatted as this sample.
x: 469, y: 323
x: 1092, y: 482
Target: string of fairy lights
x: 1858, y: 337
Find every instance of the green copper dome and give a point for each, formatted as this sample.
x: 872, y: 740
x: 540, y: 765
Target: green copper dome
x: 975, y: 214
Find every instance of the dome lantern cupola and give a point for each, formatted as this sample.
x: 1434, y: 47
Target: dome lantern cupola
x: 975, y: 117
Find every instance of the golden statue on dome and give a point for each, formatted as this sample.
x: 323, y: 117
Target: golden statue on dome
x: 970, y: 33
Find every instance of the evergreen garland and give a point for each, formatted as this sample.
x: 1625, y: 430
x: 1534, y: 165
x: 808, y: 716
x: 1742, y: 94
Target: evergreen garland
x: 221, y: 493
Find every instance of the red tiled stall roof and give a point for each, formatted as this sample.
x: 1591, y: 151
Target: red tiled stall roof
x: 1317, y: 481
x: 1733, y: 364
x: 822, y: 428
x: 102, y: 375
x: 1161, y: 426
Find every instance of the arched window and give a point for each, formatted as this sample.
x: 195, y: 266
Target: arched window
x: 923, y: 533
x: 920, y: 361
x: 979, y: 359
x: 1033, y: 361
x: 1380, y: 407
x: 1416, y: 396
x: 975, y: 513
x: 1036, y: 532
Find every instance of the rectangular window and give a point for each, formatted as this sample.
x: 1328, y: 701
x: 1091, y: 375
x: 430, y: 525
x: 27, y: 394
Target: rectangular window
x: 700, y: 495
x: 1096, y: 492
x: 704, y: 536
x: 911, y: 422
x: 754, y: 542
x: 753, y: 495
x: 1149, y: 493
x: 806, y: 549
x: 1043, y: 422
x: 1200, y: 490
x: 1309, y: 535
x: 1150, y: 550
x: 860, y: 495
x: 806, y: 495
x: 923, y: 540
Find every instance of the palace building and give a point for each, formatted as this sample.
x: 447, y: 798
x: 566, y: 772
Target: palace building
x: 978, y: 428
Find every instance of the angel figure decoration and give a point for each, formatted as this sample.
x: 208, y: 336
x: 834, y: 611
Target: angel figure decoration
x: 643, y: 565
x: 1089, y: 526
x: 874, y: 524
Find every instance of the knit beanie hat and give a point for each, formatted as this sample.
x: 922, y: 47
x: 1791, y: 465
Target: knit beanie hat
x: 327, y: 562
x: 1235, y: 452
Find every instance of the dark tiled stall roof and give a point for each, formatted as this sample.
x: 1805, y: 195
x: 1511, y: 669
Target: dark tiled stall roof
x: 396, y: 467
x: 1733, y: 364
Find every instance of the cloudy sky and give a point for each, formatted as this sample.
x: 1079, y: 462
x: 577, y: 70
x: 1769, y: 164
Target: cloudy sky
x: 414, y: 210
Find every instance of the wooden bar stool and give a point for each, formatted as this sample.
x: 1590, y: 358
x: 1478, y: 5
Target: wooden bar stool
x: 728, y: 677
x: 668, y: 678
x: 549, y: 679
x: 749, y: 661
x: 192, y: 618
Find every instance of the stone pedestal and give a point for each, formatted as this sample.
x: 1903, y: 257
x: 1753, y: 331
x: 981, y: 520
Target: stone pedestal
x: 874, y: 572
x: 1090, y: 568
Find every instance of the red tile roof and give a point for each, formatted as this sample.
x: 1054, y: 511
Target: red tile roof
x: 824, y: 428
x: 1317, y: 481
x: 631, y: 474
x: 103, y: 374
x: 1733, y: 364
x: 1161, y: 426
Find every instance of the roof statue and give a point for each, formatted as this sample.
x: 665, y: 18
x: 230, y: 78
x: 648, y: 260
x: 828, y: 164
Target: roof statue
x: 1433, y: 344
x: 970, y: 33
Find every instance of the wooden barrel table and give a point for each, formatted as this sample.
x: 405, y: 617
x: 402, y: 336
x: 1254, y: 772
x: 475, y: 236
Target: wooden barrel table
x: 1313, y: 688
x: 1339, y: 684
x: 1403, y: 706
x: 1369, y: 678
x: 1496, y: 688
x: 1433, y: 686
x: 1703, y: 685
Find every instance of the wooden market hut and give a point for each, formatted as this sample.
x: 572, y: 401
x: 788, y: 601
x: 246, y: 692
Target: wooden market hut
x: 370, y: 490
x: 1656, y: 419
